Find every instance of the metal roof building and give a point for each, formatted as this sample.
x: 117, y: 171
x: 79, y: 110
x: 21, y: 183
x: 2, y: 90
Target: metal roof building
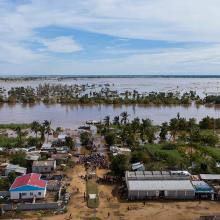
x: 158, y: 184
x: 210, y: 176
x: 15, y: 168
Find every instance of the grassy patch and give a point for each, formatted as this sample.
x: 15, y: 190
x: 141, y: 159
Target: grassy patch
x: 212, y: 152
x: 13, y: 126
x: 92, y: 188
x: 171, y: 157
x: 8, y: 141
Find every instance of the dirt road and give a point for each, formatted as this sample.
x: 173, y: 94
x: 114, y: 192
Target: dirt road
x: 166, y: 210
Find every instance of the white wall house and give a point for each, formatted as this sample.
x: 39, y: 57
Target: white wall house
x: 44, y: 166
x: 28, y: 186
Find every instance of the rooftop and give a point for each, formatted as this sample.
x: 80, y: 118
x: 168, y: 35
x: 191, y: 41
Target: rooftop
x: 137, y: 166
x: 60, y: 156
x: 31, y: 179
x: 202, y: 187
x: 46, y: 146
x: 16, y: 168
x: 159, y: 185
x: 62, y: 136
x: 210, y: 176
x: 43, y: 163
x: 155, y: 175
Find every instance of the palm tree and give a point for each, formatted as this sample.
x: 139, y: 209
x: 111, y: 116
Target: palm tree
x: 124, y: 116
x: 58, y: 130
x: 147, y: 130
x: 174, y: 127
x: 35, y: 126
x: 47, y: 125
x: 135, y: 124
x: 116, y: 120
x: 19, y: 133
x: 178, y: 116
x: 42, y: 131
x: 107, y: 120
x: 163, y: 131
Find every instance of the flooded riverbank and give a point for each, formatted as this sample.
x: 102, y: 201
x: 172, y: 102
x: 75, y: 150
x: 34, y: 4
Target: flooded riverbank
x: 72, y: 116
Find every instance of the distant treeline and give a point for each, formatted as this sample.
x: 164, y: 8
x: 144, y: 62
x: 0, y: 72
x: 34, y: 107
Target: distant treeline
x: 57, y: 76
x: 98, y: 94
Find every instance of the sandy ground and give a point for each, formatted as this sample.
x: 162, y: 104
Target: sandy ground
x: 137, y: 210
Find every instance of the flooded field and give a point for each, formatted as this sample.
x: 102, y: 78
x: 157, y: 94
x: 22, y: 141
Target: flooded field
x: 201, y: 85
x: 71, y: 116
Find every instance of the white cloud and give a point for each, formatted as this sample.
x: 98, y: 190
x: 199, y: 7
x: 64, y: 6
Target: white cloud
x: 197, y: 20
x: 170, y: 20
x: 178, y: 61
x: 16, y: 54
x: 62, y: 45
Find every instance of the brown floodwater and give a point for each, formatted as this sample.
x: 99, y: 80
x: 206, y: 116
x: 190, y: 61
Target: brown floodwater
x: 72, y: 116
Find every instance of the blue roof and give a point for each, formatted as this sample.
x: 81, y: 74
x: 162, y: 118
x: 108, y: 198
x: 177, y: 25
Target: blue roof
x: 202, y: 187
x: 26, y: 188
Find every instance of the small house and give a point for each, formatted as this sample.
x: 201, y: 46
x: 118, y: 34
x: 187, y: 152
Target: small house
x: 62, y: 137
x: 138, y: 166
x: 12, y: 168
x: 119, y: 150
x: 28, y: 186
x: 47, y: 147
x: 61, y: 158
x: 44, y: 166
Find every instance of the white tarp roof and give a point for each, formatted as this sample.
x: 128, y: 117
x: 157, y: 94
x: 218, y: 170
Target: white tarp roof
x: 92, y: 196
x: 62, y: 136
x: 210, y: 176
x: 148, y: 185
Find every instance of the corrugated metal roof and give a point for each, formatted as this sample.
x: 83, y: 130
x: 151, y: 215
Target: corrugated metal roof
x: 155, y: 175
x: 148, y: 185
x: 210, y: 176
x: 138, y: 166
x: 43, y: 163
x: 16, y: 168
x: 201, y: 186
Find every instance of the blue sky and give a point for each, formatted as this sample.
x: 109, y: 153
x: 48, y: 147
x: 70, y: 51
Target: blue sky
x: 109, y: 37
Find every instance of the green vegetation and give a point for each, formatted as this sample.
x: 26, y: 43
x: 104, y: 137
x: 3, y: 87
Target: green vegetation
x: 119, y: 165
x: 8, y: 141
x: 21, y: 132
x: 92, y: 188
x: 6, y: 182
x: 177, y: 144
x: 86, y: 139
x: 13, y: 126
x: 19, y: 158
x: 70, y: 143
x: 160, y: 152
x: 98, y: 94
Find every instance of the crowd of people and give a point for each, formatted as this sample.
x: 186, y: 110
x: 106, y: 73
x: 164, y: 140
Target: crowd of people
x: 94, y: 160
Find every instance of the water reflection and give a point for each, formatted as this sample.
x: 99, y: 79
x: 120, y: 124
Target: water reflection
x: 71, y: 116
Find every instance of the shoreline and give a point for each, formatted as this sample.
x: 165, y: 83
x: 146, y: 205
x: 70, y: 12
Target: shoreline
x: 73, y: 76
